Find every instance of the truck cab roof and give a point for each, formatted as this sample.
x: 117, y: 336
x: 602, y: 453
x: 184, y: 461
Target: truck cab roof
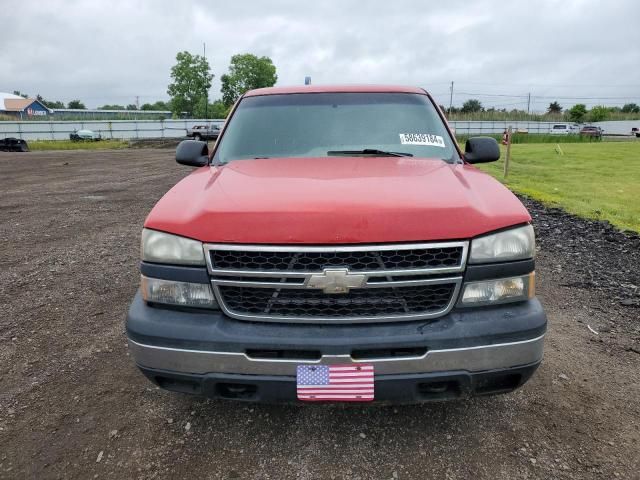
x: 334, y: 89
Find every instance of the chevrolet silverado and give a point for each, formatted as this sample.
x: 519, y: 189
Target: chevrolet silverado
x: 337, y: 245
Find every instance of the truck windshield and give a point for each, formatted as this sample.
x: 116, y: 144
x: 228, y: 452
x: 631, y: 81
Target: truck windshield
x: 335, y: 124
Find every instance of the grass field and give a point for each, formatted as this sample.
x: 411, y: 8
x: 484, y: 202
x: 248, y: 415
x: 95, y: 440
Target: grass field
x: 69, y: 145
x: 595, y: 180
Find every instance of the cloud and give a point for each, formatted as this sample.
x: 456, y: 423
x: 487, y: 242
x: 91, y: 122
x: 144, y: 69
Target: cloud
x: 114, y: 51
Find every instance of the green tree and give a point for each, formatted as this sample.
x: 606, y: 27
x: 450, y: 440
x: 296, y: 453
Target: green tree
x: 246, y: 72
x: 111, y: 107
x: 554, y: 107
x: 159, y: 105
x: 218, y: 109
x: 20, y: 94
x: 190, y: 82
x: 598, y: 113
x: 49, y: 103
x: 578, y: 112
x: 630, y: 108
x: 77, y: 104
x: 132, y: 106
x: 472, y: 106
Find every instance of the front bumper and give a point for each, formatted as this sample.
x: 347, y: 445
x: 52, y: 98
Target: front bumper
x: 468, y: 351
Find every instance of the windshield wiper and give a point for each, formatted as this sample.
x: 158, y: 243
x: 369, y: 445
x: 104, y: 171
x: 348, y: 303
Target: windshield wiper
x: 370, y: 151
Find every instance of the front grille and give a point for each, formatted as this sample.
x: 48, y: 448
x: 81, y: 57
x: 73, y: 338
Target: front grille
x: 336, y: 284
x: 363, y: 302
x: 357, y: 261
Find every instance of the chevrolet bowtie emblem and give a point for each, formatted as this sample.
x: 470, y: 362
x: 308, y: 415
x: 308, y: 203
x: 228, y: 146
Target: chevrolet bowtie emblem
x: 336, y: 280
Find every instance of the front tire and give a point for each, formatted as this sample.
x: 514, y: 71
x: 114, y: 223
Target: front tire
x: 197, y: 137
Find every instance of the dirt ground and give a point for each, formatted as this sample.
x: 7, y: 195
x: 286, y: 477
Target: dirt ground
x: 72, y: 404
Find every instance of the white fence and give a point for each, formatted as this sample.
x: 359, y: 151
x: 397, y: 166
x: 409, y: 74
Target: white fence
x: 120, y: 129
x: 618, y: 127
x: 131, y: 129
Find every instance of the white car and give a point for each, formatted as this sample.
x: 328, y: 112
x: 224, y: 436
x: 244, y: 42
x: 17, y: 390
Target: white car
x: 84, y: 135
x: 564, y: 129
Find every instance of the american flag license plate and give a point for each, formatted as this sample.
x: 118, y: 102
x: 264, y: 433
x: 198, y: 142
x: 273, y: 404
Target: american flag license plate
x: 335, y: 383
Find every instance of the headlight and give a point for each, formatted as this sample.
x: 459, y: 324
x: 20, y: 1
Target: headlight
x: 515, y: 244
x: 503, y: 290
x: 162, y: 247
x: 185, y: 294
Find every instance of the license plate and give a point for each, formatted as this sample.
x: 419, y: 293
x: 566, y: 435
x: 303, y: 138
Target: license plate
x: 335, y: 383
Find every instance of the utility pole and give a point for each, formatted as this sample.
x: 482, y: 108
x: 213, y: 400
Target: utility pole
x: 529, y: 103
x: 206, y: 91
x: 137, y: 102
x: 451, y: 98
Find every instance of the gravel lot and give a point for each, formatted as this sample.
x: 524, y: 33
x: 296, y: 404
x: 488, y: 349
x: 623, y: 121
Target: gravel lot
x: 72, y: 405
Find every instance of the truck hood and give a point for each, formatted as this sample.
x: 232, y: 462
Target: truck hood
x: 336, y: 200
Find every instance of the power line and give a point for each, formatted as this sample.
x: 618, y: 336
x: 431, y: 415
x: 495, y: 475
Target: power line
x: 573, y: 85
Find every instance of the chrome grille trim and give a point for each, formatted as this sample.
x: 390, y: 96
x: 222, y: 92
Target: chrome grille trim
x: 252, y: 279
x: 237, y: 247
x: 346, y: 319
x: 391, y: 283
x: 208, y: 247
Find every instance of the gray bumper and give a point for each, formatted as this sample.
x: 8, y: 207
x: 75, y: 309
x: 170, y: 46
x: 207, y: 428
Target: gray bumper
x: 471, y: 359
x: 474, y: 340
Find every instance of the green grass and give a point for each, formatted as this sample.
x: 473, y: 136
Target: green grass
x: 598, y: 180
x: 69, y: 145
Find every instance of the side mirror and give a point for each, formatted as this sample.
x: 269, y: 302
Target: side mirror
x: 192, y: 153
x: 481, y: 150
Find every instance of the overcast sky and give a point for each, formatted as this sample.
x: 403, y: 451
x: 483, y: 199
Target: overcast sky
x: 112, y: 51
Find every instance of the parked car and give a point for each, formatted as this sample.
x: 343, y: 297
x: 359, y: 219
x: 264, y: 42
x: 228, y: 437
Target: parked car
x: 591, y: 131
x: 337, y: 245
x: 635, y: 131
x: 204, y: 132
x: 12, y: 144
x: 84, y: 135
x: 564, y: 129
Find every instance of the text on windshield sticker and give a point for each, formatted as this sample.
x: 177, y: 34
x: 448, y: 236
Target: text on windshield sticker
x: 421, y: 139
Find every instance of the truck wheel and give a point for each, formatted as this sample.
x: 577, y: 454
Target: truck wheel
x: 197, y: 137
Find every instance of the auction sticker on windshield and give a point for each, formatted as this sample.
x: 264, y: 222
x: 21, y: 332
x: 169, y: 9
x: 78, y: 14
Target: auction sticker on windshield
x: 422, y: 139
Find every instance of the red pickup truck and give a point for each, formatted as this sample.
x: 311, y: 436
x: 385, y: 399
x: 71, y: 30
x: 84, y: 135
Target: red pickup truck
x: 337, y: 245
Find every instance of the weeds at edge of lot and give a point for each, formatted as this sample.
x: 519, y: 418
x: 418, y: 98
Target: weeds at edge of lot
x: 600, y: 181
x: 41, y: 145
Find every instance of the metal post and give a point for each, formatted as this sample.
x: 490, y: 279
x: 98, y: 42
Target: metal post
x: 508, y: 156
x: 451, y: 98
x: 206, y: 92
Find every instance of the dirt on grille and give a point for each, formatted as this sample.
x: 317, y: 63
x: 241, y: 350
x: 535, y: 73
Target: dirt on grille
x: 72, y: 404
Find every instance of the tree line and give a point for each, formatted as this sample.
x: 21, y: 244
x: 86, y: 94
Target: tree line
x: 577, y: 113
x: 191, y: 79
